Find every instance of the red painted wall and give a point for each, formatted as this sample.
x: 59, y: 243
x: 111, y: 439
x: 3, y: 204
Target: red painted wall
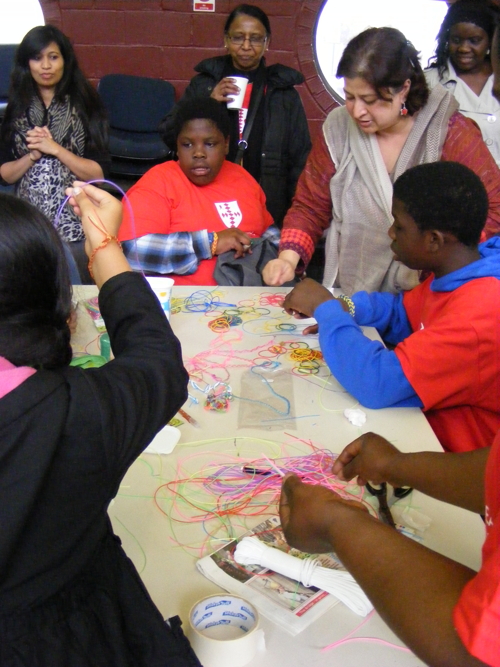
x: 166, y: 39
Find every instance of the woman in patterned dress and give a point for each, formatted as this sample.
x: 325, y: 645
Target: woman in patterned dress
x: 54, y: 130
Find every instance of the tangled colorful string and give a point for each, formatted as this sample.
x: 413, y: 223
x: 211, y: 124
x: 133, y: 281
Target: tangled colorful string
x: 246, y: 487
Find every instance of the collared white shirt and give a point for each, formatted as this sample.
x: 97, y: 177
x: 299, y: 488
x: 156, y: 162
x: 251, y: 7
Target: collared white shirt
x: 484, y: 109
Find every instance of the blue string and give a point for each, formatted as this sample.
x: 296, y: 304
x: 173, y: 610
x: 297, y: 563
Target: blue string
x: 203, y: 301
x: 269, y: 365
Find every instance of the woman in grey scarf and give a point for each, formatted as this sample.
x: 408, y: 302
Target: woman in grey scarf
x: 390, y: 122
x: 54, y: 130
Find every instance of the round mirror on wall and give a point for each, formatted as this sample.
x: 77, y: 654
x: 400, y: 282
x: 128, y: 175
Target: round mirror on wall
x: 17, y: 18
x: 340, y: 21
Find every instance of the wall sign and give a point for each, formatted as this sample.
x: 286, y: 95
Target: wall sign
x: 206, y: 6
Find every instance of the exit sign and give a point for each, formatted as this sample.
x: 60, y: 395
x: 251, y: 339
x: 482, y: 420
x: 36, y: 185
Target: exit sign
x: 206, y: 6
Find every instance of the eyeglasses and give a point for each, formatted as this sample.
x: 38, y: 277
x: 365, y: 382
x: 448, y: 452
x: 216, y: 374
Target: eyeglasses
x: 254, y: 40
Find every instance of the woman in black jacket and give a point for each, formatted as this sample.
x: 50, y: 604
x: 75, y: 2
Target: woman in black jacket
x: 279, y: 142
x: 68, y: 593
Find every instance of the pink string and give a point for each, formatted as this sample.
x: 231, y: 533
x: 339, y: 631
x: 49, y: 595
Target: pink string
x: 270, y: 299
x: 373, y: 640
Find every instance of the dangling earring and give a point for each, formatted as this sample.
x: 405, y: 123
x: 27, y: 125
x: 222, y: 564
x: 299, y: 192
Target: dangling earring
x: 488, y: 52
x: 404, y: 110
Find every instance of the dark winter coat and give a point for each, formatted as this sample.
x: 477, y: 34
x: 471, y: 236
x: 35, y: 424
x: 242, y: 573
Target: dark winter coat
x: 68, y: 593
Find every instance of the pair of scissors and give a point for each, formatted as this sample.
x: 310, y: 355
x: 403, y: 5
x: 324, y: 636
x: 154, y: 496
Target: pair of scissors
x: 380, y: 492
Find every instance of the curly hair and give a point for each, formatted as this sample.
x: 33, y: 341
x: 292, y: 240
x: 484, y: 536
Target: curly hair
x: 385, y: 59
x: 201, y: 107
x: 72, y: 84
x: 446, y: 196
x: 35, y: 290
x: 479, y: 12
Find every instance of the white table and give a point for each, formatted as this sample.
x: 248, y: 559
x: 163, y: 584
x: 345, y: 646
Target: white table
x: 169, y: 572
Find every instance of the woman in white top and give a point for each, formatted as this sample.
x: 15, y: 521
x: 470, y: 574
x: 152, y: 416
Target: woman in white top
x: 462, y: 65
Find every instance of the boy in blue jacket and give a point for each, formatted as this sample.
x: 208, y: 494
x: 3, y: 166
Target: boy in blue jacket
x: 446, y: 331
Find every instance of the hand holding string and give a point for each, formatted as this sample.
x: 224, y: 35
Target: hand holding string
x: 101, y: 215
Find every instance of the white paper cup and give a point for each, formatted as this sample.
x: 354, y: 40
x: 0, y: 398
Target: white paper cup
x: 237, y: 102
x: 162, y: 287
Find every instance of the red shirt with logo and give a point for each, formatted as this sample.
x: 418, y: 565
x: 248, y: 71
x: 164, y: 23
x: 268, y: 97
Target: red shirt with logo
x: 166, y: 201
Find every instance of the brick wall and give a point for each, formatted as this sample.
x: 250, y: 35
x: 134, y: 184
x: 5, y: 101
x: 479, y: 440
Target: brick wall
x: 165, y: 39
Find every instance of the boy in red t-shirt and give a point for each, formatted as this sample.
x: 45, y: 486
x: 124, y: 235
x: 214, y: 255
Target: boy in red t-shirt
x: 439, y: 211
x: 446, y: 613
x: 186, y: 213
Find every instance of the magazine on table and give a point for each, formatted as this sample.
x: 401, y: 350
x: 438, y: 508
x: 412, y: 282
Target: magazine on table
x: 280, y: 599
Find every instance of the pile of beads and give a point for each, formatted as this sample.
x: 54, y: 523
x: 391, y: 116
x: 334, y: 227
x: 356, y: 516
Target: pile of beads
x: 218, y: 398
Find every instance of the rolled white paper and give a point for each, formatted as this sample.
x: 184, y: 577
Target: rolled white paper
x: 251, y: 551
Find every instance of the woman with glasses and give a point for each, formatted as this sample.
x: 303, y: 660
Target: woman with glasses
x: 279, y: 142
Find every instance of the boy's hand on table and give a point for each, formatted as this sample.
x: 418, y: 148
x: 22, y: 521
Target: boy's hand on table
x: 307, y: 511
x: 310, y: 330
x: 305, y: 298
x: 369, y: 458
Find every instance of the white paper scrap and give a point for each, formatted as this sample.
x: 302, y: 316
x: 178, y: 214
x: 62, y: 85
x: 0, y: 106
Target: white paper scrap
x: 356, y: 416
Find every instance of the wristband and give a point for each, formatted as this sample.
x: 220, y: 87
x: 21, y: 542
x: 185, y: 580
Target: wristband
x: 349, y: 303
x: 213, y: 247
x: 102, y: 245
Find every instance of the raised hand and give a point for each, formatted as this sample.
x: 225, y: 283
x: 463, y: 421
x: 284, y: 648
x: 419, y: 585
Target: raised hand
x: 101, y: 215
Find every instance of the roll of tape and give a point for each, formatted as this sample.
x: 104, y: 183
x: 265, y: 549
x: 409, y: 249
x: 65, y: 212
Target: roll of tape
x: 224, y: 631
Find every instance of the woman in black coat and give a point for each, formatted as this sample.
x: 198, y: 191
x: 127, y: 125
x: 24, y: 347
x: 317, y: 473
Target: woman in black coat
x: 279, y: 141
x: 69, y: 596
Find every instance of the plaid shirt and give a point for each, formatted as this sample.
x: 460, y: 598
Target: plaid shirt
x: 179, y: 252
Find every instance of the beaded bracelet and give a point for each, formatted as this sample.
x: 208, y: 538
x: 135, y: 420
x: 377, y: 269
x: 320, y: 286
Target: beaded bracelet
x: 102, y: 245
x: 214, y: 244
x: 349, y: 303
